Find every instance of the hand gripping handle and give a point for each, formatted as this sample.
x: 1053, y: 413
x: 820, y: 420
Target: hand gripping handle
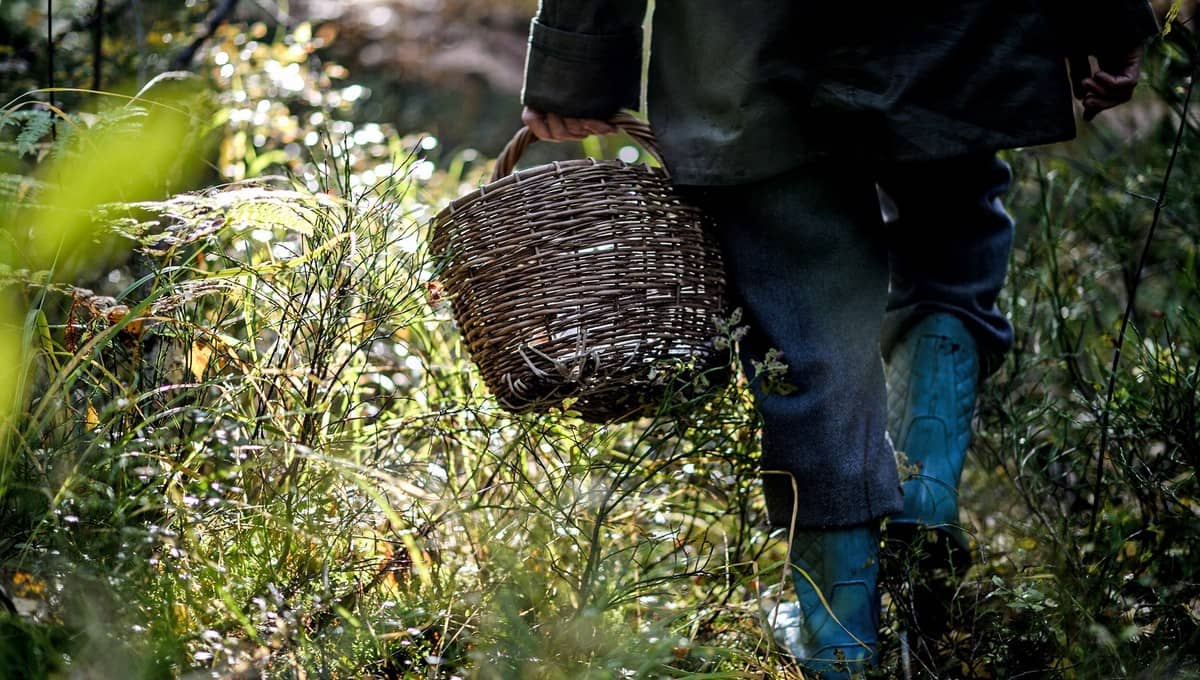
x: 632, y: 126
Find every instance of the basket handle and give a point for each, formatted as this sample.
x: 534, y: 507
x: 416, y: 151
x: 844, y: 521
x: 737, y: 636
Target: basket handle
x: 631, y: 125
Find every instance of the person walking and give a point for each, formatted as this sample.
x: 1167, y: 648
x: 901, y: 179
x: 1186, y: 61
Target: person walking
x: 781, y: 120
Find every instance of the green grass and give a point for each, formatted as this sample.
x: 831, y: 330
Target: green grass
x: 256, y: 445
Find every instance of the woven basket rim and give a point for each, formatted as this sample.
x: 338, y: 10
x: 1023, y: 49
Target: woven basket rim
x: 544, y: 169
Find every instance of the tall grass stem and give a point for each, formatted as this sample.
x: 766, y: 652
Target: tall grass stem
x: 1130, y: 304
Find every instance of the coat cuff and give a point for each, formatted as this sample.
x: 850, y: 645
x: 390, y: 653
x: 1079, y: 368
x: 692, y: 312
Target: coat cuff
x: 582, y: 75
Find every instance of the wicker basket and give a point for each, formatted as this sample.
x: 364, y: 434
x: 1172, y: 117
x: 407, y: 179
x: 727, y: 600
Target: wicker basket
x: 589, y: 280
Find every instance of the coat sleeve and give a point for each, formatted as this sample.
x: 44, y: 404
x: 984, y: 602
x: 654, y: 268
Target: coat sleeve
x: 585, y: 57
x: 1099, y: 26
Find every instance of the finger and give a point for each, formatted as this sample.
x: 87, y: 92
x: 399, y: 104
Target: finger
x: 1117, y: 95
x: 536, y: 122
x: 576, y: 128
x: 1093, y: 106
x: 1121, y: 92
x: 1099, y: 101
x: 1092, y: 87
x: 558, y: 129
x: 1081, y: 69
x: 1128, y: 64
x: 1116, y: 83
x: 598, y: 127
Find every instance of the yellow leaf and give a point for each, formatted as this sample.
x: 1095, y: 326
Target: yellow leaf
x: 93, y: 418
x: 201, y: 355
x: 27, y: 585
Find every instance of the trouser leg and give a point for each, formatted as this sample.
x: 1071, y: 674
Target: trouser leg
x: 806, y: 264
x: 949, y: 248
x: 948, y: 251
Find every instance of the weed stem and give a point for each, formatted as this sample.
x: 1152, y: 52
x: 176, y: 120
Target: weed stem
x: 1106, y: 413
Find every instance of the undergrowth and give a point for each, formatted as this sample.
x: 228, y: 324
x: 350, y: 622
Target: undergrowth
x: 248, y: 439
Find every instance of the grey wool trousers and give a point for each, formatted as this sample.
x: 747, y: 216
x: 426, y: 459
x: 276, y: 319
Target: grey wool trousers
x: 809, y: 261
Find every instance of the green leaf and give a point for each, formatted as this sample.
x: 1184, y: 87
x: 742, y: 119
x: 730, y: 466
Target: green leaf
x: 1172, y: 15
x: 38, y: 124
x: 263, y: 161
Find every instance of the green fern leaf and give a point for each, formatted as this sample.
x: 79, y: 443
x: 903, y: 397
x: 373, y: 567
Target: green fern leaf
x: 37, y: 125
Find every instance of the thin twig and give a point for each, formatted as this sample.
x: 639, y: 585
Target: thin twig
x: 183, y: 60
x: 50, y: 66
x: 1106, y: 413
x: 139, y: 32
x: 98, y: 46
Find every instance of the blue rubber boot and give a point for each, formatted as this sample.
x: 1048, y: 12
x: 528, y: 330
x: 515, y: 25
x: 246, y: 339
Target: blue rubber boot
x: 833, y: 628
x: 933, y: 376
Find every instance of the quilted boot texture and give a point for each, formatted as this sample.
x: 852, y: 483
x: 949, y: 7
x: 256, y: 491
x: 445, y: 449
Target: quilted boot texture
x: 932, y: 379
x: 833, y: 627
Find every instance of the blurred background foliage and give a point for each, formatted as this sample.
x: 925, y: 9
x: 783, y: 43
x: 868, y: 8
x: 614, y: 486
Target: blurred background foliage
x: 239, y: 436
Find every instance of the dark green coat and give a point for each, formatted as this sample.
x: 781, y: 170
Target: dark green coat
x: 741, y: 90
